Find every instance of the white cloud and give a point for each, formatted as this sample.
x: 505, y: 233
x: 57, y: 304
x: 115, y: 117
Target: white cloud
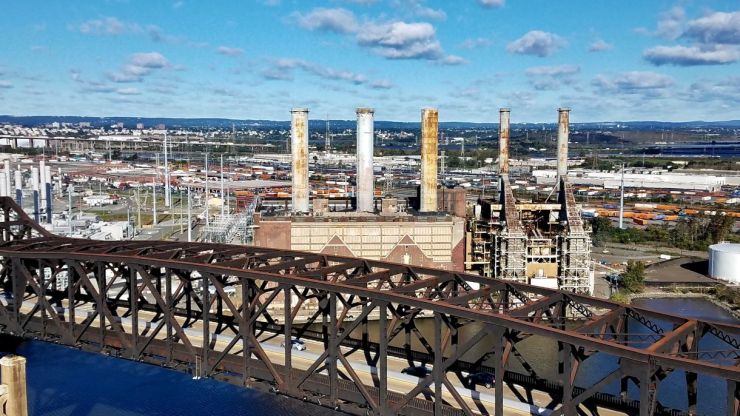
x: 490, y: 4
x: 382, y: 84
x: 475, y: 43
x: 331, y: 20
x: 692, y: 55
x: 282, y: 70
x: 401, y: 40
x: 128, y: 91
x: 229, y: 51
x: 138, y: 66
x: 553, y: 71
x: 417, y: 8
x: 6, y: 84
x: 725, y: 91
x: 670, y: 24
x: 104, y: 26
x: 599, y: 45
x: 645, y: 83
x: 537, y: 43
x: 391, y: 40
x: 453, y: 60
x: 715, y: 28
x: 551, y: 78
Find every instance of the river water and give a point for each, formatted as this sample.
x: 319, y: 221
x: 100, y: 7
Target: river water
x: 67, y: 382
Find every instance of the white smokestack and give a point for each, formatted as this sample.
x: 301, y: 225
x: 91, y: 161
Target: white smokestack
x: 563, y: 133
x: 4, y: 184
x: 429, y: 143
x: 42, y: 182
x: 299, y: 148
x: 503, y: 141
x: 365, y: 141
x: 18, y: 187
x: 8, y: 177
x: 35, y: 187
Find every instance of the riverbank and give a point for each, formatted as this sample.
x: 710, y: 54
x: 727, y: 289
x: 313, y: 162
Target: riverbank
x: 683, y: 294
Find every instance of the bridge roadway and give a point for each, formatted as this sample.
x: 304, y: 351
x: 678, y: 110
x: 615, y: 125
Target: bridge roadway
x: 178, y: 286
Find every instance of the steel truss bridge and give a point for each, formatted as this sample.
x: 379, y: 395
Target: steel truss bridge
x: 222, y: 310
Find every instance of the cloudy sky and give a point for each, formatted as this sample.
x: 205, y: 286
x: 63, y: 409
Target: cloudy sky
x: 608, y: 60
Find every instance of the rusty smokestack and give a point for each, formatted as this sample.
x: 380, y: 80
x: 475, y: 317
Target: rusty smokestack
x: 365, y: 179
x: 299, y: 148
x: 503, y: 141
x: 563, y: 133
x: 429, y: 143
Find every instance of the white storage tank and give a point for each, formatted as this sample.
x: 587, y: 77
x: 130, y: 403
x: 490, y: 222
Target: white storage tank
x: 724, y: 259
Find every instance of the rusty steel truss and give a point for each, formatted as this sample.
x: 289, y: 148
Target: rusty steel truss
x: 229, y: 312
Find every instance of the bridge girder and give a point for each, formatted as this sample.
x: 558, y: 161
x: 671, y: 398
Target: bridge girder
x: 173, y: 304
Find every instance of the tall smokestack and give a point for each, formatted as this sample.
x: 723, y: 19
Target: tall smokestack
x: 8, y: 178
x: 503, y: 141
x: 42, y: 184
x: 429, y: 128
x: 18, y: 188
x: 3, y: 184
x: 35, y: 187
x: 563, y: 133
x: 49, y: 195
x: 365, y: 140
x: 299, y: 148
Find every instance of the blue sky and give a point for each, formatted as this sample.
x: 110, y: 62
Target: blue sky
x: 608, y: 60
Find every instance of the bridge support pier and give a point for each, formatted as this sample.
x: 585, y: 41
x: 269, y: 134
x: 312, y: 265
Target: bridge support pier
x: 13, y: 374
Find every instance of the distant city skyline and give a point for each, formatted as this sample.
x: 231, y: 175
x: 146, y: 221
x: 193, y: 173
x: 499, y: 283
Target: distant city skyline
x: 633, y: 60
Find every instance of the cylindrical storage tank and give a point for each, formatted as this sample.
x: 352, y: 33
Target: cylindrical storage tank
x: 429, y: 144
x: 365, y: 149
x: 723, y: 262
x: 503, y: 141
x: 299, y: 148
x: 563, y: 134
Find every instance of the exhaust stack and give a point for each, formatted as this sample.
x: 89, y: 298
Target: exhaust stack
x: 35, y: 188
x: 429, y: 143
x: 8, y: 178
x: 18, y: 187
x: 299, y: 149
x: 49, y: 195
x: 365, y: 179
x: 503, y: 141
x: 563, y: 133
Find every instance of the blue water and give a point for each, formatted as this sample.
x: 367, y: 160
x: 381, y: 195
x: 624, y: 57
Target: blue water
x: 66, y: 382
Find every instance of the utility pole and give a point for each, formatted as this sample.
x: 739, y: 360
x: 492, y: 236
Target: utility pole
x: 207, y: 220
x: 138, y: 206
x: 223, y: 197
x: 154, y: 203
x: 190, y: 223
x: 621, y: 202
x: 69, y: 194
x: 167, y: 197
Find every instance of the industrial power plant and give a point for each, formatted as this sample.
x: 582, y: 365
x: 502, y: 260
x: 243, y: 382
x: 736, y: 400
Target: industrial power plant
x: 544, y: 243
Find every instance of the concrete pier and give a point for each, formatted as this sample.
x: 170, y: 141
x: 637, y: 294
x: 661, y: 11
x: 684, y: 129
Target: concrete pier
x: 13, y: 375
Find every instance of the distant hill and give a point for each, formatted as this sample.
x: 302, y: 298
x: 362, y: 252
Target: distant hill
x: 314, y: 124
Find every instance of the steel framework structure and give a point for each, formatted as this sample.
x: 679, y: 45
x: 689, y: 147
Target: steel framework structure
x: 217, y: 307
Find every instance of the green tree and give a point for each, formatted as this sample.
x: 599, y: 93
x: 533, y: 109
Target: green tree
x: 633, y: 279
